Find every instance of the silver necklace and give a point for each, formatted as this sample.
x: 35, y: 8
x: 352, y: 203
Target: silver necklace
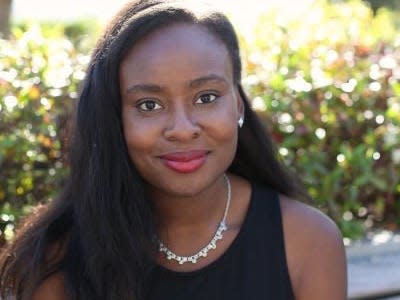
x: 211, y: 245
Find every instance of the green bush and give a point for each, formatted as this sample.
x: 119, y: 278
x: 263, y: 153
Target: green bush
x: 376, y: 4
x: 38, y: 85
x: 326, y: 84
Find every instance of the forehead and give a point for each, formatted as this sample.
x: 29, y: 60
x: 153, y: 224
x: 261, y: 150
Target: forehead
x: 182, y: 50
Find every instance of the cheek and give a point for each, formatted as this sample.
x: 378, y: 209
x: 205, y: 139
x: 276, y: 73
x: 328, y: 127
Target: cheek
x: 139, y: 136
x: 222, y: 124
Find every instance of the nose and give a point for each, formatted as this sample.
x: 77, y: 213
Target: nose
x: 182, y: 127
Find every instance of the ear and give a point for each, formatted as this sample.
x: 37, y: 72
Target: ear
x: 239, y: 103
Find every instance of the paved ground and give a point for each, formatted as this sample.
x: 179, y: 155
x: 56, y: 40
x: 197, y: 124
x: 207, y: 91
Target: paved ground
x: 374, y: 268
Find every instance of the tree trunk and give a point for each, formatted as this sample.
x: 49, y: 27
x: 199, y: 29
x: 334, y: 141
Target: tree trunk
x: 5, y: 12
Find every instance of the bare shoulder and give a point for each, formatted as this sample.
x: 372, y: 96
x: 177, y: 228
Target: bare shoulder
x: 315, y: 252
x: 308, y: 220
x: 52, y: 288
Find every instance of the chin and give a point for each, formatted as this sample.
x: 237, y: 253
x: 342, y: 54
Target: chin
x: 186, y: 190
x: 183, y: 187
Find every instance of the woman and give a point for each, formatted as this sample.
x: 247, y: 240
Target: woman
x: 174, y: 190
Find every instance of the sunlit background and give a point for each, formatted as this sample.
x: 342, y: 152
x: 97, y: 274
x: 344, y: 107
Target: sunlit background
x: 244, y: 12
x: 323, y: 75
x: 67, y: 9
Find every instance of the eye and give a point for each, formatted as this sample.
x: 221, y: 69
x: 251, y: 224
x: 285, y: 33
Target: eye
x: 206, y: 98
x: 149, y: 105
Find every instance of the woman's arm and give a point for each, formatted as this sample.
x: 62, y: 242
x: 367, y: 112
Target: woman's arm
x: 315, y: 253
x: 51, y: 289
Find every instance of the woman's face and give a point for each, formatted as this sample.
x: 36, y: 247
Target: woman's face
x: 180, y: 108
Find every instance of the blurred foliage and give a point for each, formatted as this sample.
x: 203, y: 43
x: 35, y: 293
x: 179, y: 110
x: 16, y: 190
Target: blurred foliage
x: 39, y: 79
x: 81, y: 33
x: 376, y: 4
x: 327, y: 86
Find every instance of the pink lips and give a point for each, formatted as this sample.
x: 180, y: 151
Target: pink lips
x: 185, y: 162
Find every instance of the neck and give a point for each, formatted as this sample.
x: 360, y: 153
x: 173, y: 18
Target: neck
x: 186, y: 213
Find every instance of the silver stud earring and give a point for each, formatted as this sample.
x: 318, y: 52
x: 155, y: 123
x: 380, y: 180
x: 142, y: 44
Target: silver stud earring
x: 240, y: 122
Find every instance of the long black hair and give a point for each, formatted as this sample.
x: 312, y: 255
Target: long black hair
x: 99, y: 231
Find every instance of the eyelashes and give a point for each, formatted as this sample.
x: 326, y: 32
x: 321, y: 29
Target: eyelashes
x: 206, y: 98
x: 149, y: 105
x: 153, y: 105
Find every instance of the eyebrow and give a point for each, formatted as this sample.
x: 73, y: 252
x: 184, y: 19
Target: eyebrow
x: 144, y: 87
x: 205, y: 79
x: 195, y: 83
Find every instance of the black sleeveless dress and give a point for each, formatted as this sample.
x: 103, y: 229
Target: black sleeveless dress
x: 252, y: 268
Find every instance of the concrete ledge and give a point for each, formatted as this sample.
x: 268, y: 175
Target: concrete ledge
x: 390, y: 295
x: 374, y: 270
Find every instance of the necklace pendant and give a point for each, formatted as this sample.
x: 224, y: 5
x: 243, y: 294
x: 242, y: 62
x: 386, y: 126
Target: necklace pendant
x: 182, y: 260
x: 211, y: 245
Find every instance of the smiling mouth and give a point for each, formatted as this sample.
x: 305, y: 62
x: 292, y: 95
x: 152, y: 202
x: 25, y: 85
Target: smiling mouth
x: 185, y: 162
